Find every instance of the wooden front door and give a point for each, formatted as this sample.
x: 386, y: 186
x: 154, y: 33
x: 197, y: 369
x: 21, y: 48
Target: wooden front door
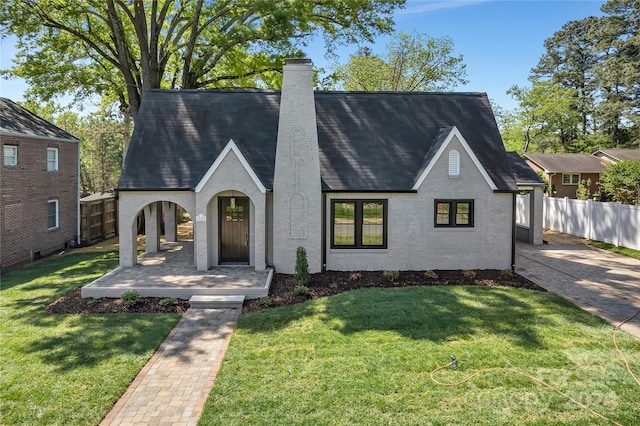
x: 234, y: 230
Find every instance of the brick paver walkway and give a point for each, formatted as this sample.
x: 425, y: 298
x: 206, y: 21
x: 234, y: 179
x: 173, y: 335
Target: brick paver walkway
x: 172, y: 387
x: 601, y: 282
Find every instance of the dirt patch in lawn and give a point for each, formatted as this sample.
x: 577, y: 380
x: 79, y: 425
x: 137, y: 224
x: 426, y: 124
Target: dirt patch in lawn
x: 283, y: 290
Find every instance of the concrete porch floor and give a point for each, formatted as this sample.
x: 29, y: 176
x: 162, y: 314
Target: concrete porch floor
x: 171, y: 273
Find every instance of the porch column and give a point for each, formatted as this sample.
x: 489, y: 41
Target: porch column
x: 170, y: 226
x: 152, y: 228
x: 128, y: 240
x: 200, y: 235
x: 536, y: 215
x: 259, y: 233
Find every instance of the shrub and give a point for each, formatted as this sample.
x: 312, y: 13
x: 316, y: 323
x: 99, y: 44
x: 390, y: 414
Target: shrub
x: 265, y: 301
x: 301, y: 274
x: 301, y: 290
x: 130, y: 298
x: 469, y: 273
x: 355, y: 276
x: 167, y: 301
x: 430, y: 274
x: 506, y: 273
x: 333, y: 285
x: 391, y: 275
x: 93, y: 301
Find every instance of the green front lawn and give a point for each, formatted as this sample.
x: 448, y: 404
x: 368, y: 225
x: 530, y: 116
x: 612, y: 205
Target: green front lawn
x: 67, y: 369
x: 365, y: 357
x: 625, y: 251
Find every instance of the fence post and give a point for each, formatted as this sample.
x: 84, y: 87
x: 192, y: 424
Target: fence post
x: 564, y: 215
x: 618, y: 227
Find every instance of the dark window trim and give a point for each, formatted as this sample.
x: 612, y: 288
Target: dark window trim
x: 358, y: 223
x: 452, y: 214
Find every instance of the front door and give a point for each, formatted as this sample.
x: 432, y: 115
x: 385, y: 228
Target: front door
x: 234, y: 230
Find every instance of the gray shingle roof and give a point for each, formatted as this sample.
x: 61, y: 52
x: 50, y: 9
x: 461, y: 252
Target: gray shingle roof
x: 620, y: 154
x: 368, y: 141
x: 15, y: 120
x: 522, y: 172
x: 558, y: 163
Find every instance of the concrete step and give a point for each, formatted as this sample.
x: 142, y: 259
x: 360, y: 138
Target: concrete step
x: 207, y: 301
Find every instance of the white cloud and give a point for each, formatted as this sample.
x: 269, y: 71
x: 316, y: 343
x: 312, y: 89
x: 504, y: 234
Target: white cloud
x: 425, y: 6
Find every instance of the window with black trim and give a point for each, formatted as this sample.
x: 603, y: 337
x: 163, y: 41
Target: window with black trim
x: 453, y: 213
x: 359, y: 224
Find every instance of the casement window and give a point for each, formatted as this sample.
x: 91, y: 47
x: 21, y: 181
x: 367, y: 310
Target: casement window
x: 570, y: 178
x: 52, y: 159
x: 52, y: 214
x: 454, y: 163
x: 453, y: 213
x: 10, y: 155
x: 359, y: 224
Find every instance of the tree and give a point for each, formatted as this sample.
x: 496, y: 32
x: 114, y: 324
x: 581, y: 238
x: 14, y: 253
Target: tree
x: 412, y: 62
x: 118, y: 49
x: 622, y: 181
x: 545, y: 117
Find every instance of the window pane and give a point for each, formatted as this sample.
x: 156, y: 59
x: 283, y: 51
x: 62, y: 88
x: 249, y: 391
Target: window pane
x: 372, y: 224
x: 442, y: 213
x: 52, y: 159
x: 566, y: 179
x: 344, y: 230
x: 52, y: 214
x: 462, y: 213
x: 575, y: 179
x: 10, y: 155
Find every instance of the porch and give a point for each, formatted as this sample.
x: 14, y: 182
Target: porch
x: 170, y: 272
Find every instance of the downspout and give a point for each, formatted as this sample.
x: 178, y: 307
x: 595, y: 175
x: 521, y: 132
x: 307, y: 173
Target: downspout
x: 513, y: 233
x: 323, y: 229
x: 78, y: 201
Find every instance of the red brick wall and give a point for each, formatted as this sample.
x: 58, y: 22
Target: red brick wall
x: 26, y: 190
x: 570, y: 190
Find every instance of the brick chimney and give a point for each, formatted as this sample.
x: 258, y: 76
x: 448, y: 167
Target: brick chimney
x: 297, y: 192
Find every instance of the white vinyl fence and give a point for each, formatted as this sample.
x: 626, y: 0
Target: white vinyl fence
x: 612, y: 223
x: 522, y: 209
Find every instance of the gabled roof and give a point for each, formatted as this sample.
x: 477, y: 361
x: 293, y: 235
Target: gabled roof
x: 559, y: 163
x: 18, y: 121
x: 522, y: 172
x: 374, y: 141
x: 619, y: 154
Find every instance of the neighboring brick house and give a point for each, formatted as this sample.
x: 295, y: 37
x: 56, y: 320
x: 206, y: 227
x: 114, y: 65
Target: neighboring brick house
x: 563, y: 172
x: 39, y: 181
x: 617, y: 155
x: 363, y: 181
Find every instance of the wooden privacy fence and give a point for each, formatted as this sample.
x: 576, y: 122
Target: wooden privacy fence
x: 613, y: 223
x: 98, y: 218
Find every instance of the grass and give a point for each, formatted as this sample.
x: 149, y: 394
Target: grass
x: 67, y: 369
x: 365, y: 357
x: 625, y: 251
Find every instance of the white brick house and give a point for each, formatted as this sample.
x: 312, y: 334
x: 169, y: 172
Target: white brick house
x: 363, y: 181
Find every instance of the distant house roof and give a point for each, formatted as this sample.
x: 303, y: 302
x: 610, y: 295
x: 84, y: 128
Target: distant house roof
x: 559, y: 163
x: 18, y: 121
x: 618, y: 154
x: 522, y: 172
x: 375, y: 141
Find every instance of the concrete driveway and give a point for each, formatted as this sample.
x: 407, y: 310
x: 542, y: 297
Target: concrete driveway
x: 601, y: 282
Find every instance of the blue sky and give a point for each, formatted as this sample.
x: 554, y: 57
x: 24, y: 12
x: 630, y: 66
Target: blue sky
x: 500, y: 41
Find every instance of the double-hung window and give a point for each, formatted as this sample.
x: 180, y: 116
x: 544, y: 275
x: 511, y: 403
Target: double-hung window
x: 52, y: 159
x: 359, y: 224
x: 570, y: 178
x: 453, y: 213
x: 10, y: 153
x: 52, y: 214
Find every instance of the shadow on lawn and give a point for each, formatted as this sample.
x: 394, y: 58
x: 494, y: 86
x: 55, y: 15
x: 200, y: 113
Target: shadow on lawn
x: 437, y: 314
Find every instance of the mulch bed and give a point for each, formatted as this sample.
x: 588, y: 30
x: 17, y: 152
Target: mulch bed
x: 282, y: 291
